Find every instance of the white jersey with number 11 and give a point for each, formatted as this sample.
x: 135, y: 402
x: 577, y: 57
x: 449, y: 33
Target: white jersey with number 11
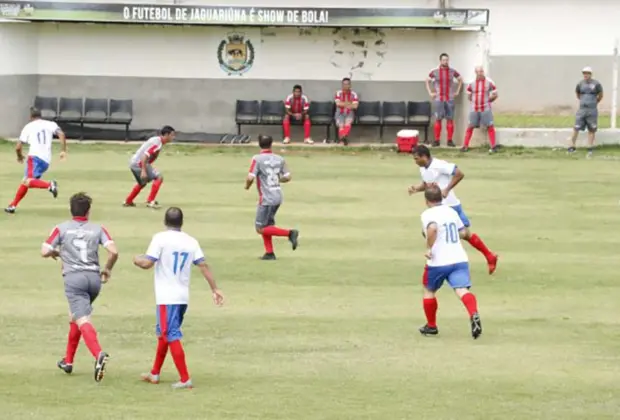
x: 38, y: 134
x: 448, y: 248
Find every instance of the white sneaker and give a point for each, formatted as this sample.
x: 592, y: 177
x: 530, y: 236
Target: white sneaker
x: 286, y: 140
x: 308, y: 141
x: 182, y: 385
x: 150, y: 378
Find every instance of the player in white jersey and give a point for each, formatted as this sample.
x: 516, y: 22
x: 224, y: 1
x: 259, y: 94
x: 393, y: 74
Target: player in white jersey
x: 446, y: 176
x: 38, y: 135
x: 173, y: 252
x: 141, y: 166
x: 446, y: 261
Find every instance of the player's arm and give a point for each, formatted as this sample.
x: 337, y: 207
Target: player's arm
x: 153, y: 253
x: 599, y: 93
x: 493, y: 96
x: 417, y: 188
x: 23, y: 138
x: 287, y: 107
x: 459, y: 80
x: 49, y: 248
x: 249, y: 180
x: 105, y: 240
x: 286, y: 174
x: 457, y: 176
x: 431, y: 237
x: 306, y: 107
x: 200, y: 262
x: 63, y: 141
x: 427, y: 83
x: 578, y: 91
x: 355, y: 102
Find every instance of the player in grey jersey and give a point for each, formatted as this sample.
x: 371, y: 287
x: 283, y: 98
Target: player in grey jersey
x: 589, y: 92
x: 269, y: 170
x: 77, y: 243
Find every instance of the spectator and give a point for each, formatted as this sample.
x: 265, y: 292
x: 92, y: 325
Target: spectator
x: 443, y: 95
x: 589, y: 92
x: 347, y: 102
x: 297, y: 106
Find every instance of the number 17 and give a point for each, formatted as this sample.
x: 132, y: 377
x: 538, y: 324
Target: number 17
x: 175, y: 267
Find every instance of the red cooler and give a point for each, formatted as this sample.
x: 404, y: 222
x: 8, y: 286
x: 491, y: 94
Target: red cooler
x: 406, y: 140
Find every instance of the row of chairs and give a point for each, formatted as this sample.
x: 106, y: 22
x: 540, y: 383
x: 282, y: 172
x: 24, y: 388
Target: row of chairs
x: 369, y: 113
x: 87, y: 111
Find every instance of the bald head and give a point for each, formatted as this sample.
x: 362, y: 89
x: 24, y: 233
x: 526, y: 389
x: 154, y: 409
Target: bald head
x: 479, y: 71
x: 174, y: 218
x: 433, y: 196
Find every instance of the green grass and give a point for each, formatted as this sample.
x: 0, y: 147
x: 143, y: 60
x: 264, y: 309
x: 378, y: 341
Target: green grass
x: 329, y: 331
x: 505, y: 120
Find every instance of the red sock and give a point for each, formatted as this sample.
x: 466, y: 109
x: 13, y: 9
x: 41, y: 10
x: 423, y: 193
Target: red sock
x: 72, y: 342
x: 154, y: 189
x: 468, y: 133
x: 450, y: 129
x: 491, y: 134
x: 160, y: 355
x: 437, y: 130
x: 340, y: 133
x: 134, y: 193
x: 346, y: 130
x: 469, y: 300
x: 275, y: 231
x: 19, y: 195
x: 430, y: 310
x: 38, y: 183
x: 286, y: 127
x: 267, y: 240
x: 178, y: 356
x: 476, y: 242
x: 89, y: 333
x: 307, y: 127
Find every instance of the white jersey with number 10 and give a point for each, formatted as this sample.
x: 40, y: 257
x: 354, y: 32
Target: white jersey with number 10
x: 448, y: 248
x: 38, y: 134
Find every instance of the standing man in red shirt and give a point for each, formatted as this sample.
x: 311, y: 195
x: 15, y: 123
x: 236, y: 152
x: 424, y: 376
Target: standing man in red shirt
x: 297, y: 106
x: 347, y: 102
x: 443, y: 96
x: 481, y: 93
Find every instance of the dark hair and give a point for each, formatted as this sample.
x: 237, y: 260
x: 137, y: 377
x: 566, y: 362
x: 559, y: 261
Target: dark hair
x: 265, y: 141
x: 35, y: 112
x: 166, y: 129
x: 297, y: 87
x: 174, y: 217
x: 346, y: 79
x: 80, y: 204
x: 432, y: 194
x: 442, y: 55
x: 422, y: 151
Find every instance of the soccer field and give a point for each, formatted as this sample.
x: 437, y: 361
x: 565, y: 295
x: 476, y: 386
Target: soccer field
x: 328, y: 331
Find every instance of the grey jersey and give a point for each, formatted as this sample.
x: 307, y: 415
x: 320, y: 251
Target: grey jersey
x: 588, y: 91
x: 268, y: 167
x: 79, y: 242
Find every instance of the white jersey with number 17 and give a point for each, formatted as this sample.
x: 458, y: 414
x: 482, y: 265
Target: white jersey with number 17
x: 448, y: 248
x: 174, y: 253
x: 38, y: 134
x: 441, y: 172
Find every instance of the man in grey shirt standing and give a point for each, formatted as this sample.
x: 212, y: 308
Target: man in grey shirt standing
x: 589, y: 92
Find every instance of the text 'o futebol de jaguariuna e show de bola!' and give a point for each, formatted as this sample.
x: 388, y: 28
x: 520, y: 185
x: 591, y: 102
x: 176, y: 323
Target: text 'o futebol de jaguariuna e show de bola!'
x: 237, y: 15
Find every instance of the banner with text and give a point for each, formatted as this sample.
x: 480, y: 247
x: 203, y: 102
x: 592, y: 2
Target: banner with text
x: 244, y: 16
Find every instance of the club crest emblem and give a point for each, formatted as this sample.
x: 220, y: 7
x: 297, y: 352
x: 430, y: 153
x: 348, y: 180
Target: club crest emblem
x: 235, y: 54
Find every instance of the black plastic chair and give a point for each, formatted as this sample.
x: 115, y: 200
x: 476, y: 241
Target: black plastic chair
x: 394, y: 113
x: 369, y: 113
x: 419, y: 114
x: 246, y: 113
x: 70, y: 110
x: 271, y: 112
x: 121, y: 112
x: 322, y: 114
x: 96, y: 111
x: 48, y: 107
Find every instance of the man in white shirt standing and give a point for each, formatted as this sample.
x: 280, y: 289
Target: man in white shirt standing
x: 446, y: 176
x: 172, y: 252
x: 38, y: 134
x: 446, y: 261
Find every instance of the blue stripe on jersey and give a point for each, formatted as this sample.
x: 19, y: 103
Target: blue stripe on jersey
x: 454, y: 170
x: 198, y: 261
x: 148, y: 257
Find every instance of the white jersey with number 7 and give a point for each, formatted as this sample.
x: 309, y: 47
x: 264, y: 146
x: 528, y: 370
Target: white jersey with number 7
x: 38, y: 134
x: 448, y: 248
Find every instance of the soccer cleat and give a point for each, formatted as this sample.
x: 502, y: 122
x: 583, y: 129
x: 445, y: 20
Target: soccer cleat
x: 572, y: 149
x: 53, y: 188
x: 344, y: 141
x: 62, y: 365
x: 150, y: 378
x: 464, y: 149
x: 492, y: 262
x: 426, y: 330
x: 153, y: 205
x: 100, y: 365
x: 286, y: 140
x: 10, y: 209
x: 476, y: 326
x: 436, y: 143
x: 308, y: 141
x: 451, y: 143
x: 589, y: 154
x: 126, y: 204
x: 293, y: 238
x: 268, y: 257
x: 183, y: 385
x: 494, y: 149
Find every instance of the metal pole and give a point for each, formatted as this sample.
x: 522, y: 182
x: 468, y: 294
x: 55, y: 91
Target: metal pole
x: 614, y: 86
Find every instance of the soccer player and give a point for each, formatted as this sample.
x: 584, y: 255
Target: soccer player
x: 443, y: 95
x: 589, y: 92
x: 77, y: 243
x: 297, y: 106
x: 447, y: 176
x: 141, y: 166
x: 446, y: 261
x: 347, y: 102
x: 269, y: 170
x: 172, y: 252
x: 38, y: 134
x: 481, y: 93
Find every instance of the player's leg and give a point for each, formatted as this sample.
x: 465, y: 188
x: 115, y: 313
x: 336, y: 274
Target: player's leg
x: 460, y: 280
x: 307, y: 129
x: 486, y: 119
x: 580, y: 125
x: 449, y: 108
x: 346, y: 129
x: 272, y: 230
x: 475, y: 241
x: 140, y: 184
x: 161, y: 331
x: 73, y: 341
x: 157, y: 179
x: 440, y: 113
x: 39, y: 167
x: 286, y: 129
x: 432, y: 280
x: 260, y: 222
x: 592, y: 125
x: 474, y: 122
x: 175, y: 315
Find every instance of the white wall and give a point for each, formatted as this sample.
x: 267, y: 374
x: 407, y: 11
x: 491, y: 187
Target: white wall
x: 18, y: 48
x: 280, y: 53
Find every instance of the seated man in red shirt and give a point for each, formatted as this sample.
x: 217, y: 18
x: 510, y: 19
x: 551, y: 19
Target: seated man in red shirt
x: 296, y: 106
x: 347, y: 102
